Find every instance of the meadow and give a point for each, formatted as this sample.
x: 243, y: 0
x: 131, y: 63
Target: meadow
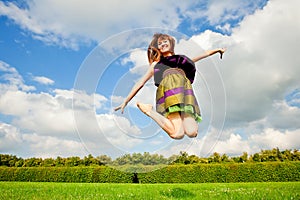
x: 49, y: 190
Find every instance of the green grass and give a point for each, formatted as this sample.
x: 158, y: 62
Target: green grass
x: 264, y: 190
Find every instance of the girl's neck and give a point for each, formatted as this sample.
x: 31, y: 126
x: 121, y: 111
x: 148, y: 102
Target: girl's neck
x: 166, y: 54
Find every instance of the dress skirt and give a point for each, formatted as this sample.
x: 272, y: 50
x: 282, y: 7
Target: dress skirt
x: 175, y: 94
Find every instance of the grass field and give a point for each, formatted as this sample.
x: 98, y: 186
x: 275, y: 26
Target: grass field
x: 33, y: 190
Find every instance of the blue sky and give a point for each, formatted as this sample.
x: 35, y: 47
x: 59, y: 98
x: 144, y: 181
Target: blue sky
x: 65, y: 65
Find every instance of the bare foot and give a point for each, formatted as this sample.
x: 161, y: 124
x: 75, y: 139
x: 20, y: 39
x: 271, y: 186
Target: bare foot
x: 145, y: 108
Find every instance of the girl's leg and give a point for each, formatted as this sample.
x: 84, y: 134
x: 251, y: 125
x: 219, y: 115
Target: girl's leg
x: 190, y: 125
x: 172, y: 125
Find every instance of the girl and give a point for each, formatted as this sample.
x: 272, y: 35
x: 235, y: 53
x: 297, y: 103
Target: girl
x: 177, y: 111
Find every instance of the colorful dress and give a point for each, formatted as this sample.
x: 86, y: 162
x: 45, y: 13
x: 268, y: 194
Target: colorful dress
x: 173, y: 76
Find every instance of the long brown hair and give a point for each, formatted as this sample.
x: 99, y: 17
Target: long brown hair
x: 153, y: 51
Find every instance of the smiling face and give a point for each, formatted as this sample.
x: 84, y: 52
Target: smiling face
x: 163, y: 45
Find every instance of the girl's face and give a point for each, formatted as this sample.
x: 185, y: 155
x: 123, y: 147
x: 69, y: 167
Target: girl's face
x: 163, y: 45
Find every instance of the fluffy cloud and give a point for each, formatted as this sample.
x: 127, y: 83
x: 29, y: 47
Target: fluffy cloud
x: 59, y: 123
x: 220, y: 11
x: 139, y: 59
x: 43, y: 80
x: 13, y: 141
x: 271, y: 138
x: 234, y: 143
x: 10, y: 136
x: 283, y: 116
x: 90, y: 19
x: 12, y: 78
x: 70, y: 23
x: 258, y: 69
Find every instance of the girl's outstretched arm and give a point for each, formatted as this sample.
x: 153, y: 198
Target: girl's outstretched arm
x: 209, y: 53
x: 137, y: 87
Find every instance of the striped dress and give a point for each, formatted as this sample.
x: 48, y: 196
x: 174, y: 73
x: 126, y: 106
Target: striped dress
x: 173, y: 76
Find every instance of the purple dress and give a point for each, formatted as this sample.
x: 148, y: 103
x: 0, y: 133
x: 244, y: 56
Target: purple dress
x: 173, y: 76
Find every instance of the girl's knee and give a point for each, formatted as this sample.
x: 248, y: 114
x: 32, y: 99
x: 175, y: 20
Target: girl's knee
x: 177, y: 136
x: 190, y: 126
x: 192, y: 134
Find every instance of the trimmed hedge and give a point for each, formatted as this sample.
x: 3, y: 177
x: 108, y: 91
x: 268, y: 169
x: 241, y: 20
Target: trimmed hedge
x: 65, y: 174
x: 213, y: 173
x: 198, y: 173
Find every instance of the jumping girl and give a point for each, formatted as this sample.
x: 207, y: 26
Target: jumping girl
x: 177, y: 110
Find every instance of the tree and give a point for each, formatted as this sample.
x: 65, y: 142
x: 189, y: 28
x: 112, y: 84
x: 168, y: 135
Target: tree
x: 59, y: 161
x: 215, y: 158
x: 123, y: 160
x: 244, y: 157
x: 136, y: 158
x: 32, y: 162
x: 296, y: 155
x: 172, y: 159
x: 19, y: 163
x: 225, y: 158
x: 48, y: 162
x: 73, y: 161
x: 8, y: 160
x: 183, y: 158
x: 159, y: 159
x: 192, y: 159
x: 255, y: 157
x: 90, y: 160
x: 147, y: 159
x: 104, y: 159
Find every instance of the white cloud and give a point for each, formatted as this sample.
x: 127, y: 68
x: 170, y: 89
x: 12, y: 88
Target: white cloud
x: 271, y: 138
x: 283, y: 117
x: 43, y: 80
x: 40, y: 113
x: 60, y: 123
x: 13, y: 141
x: 234, y: 144
x: 210, y: 40
x: 139, y: 59
x: 4, y: 67
x: 119, y: 132
x: 10, y: 136
x: 48, y: 146
x: 13, y: 79
x: 70, y: 23
x: 47, y: 114
x: 257, y: 68
x: 47, y: 128
x: 66, y: 23
x: 223, y: 11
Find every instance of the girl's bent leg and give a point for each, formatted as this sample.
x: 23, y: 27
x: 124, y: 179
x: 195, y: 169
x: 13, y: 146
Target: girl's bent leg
x: 190, y: 125
x: 172, y: 125
x: 176, y: 121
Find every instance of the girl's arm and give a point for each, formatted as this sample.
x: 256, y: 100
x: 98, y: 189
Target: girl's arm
x: 137, y: 87
x: 209, y: 53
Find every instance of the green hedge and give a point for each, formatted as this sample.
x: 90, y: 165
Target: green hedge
x: 213, y: 173
x: 198, y: 173
x: 65, y: 174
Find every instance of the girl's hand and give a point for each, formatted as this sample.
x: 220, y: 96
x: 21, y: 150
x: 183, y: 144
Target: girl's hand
x: 122, y: 107
x: 221, y: 51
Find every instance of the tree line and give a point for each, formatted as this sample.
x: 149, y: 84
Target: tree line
x: 149, y: 159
